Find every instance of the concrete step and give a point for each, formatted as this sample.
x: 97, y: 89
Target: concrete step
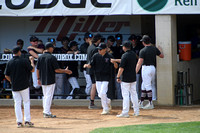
x: 65, y: 102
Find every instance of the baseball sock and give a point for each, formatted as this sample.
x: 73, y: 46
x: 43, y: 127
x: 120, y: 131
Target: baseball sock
x: 143, y: 95
x: 149, y: 94
x: 91, y: 102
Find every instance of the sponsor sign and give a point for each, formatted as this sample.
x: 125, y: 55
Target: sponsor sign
x: 166, y: 7
x: 63, y: 7
x: 96, y: 7
x: 60, y: 57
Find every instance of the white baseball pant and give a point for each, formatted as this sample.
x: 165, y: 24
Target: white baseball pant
x: 148, y: 79
x: 48, y: 91
x: 18, y: 97
x: 129, y: 88
x: 34, y: 77
x: 88, y: 83
x: 74, y: 83
x: 102, y: 88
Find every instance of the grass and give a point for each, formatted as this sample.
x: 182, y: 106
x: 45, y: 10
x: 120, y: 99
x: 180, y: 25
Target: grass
x: 186, y: 127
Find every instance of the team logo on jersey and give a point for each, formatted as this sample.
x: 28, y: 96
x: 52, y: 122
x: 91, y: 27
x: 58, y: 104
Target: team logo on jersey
x: 152, y: 5
x: 106, y: 60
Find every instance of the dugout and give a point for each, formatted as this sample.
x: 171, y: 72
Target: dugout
x: 167, y: 22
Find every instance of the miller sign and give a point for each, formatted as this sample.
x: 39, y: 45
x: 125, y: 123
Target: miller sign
x: 73, y: 26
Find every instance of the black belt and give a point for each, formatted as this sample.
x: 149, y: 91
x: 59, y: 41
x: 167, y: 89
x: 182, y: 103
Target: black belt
x: 148, y: 65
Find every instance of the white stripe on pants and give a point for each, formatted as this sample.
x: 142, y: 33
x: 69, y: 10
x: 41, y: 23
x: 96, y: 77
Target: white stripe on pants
x: 102, y: 88
x: 126, y: 89
x: 18, y: 97
x: 48, y: 91
x: 88, y: 83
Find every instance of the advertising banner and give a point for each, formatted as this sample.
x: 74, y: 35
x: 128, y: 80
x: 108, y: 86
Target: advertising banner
x: 141, y: 7
x: 60, y: 57
x: 64, y: 7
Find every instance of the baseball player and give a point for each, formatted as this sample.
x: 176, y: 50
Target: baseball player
x: 128, y: 84
x: 92, y: 49
x: 34, y: 50
x: 147, y: 59
x: 62, y: 84
x: 73, y: 66
x: 17, y: 72
x: 101, y: 62
x: 136, y: 47
x: 46, y: 68
x: 83, y: 49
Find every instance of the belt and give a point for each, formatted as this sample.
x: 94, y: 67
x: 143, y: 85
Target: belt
x: 147, y: 65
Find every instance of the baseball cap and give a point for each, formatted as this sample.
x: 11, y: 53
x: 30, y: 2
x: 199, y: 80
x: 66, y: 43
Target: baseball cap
x: 127, y: 44
x: 73, y: 43
x: 102, y: 46
x: 97, y: 36
x: 132, y: 37
x: 65, y: 38
x: 118, y: 36
x: 49, y: 45
x: 33, y: 39
x: 88, y: 35
x: 16, y: 49
x: 111, y: 38
x: 20, y: 41
x: 146, y: 38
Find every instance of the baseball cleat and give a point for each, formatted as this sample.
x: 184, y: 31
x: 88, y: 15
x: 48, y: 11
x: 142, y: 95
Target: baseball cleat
x: 19, y: 125
x: 49, y: 115
x: 29, y: 124
x: 148, y: 106
x: 105, y: 112
x: 136, y: 114
x: 92, y: 106
x: 122, y: 116
x: 69, y: 98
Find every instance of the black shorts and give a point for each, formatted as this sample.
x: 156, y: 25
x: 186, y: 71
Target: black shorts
x: 93, y: 79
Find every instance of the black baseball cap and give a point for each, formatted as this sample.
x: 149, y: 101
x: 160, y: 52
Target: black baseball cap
x: 145, y: 39
x: 132, y: 37
x: 88, y: 35
x: 118, y: 36
x: 127, y: 44
x: 33, y: 39
x: 111, y: 38
x: 16, y: 49
x: 65, y: 38
x: 20, y: 41
x: 73, y: 43
x: 97, y: 36
x: 49, y: 45
x: 102, y: 46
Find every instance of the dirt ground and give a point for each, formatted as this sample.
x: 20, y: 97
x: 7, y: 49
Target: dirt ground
x: 83, y: 120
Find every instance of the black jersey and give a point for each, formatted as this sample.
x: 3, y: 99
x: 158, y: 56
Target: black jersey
x: 102, y: 66
x: 128, y: 62
x: 18, y: 69
x: 92, y: 49
x: 149, y: 53
x: 47, y: 64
